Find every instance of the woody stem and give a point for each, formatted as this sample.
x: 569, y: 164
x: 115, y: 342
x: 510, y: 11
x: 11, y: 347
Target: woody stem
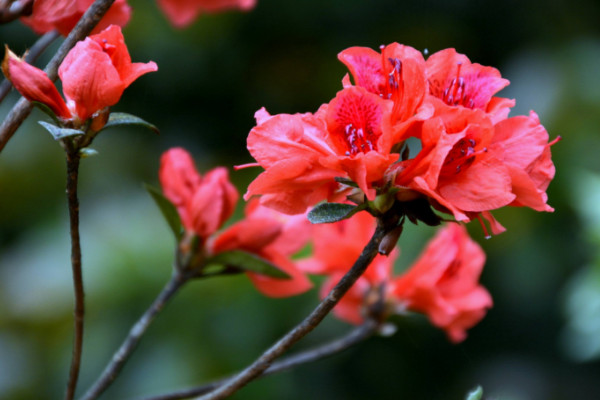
x: 384, y: 226
x: 73, y: 159
x: 22, y: 108
x: 357, y: 335
x: 110, y: 373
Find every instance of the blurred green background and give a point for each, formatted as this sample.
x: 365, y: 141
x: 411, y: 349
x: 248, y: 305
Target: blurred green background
x: 541, y: 341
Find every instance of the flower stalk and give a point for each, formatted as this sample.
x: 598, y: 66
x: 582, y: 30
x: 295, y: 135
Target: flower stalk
x: 130, y: 343
x: 73, y: 159
x: 355, y: 336
x: 384, y: 225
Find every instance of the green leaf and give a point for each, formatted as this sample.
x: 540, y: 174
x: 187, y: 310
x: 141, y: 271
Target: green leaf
x: 333, y: 212
x: 345, y: 181
x: 168, y: 210
x: 59, y: 133
x: 475, y: 394
x: 247, y: 262
x: 47, y: 110
x: 123, y: 119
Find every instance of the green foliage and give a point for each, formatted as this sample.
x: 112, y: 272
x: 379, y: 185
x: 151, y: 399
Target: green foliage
x: 59, y: 133
x: 326, y: 213
x: 168, y: 211
x: 242, y: 261
x: 117, y: 119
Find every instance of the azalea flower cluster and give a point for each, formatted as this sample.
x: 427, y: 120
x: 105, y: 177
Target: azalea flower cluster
x: 442, y: 283
x: 472, y: 157
x: 63, y: 15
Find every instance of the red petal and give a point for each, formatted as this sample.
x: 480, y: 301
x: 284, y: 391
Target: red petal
x: 33, y: 84
x: 89, y: 79
x: 112, y: 42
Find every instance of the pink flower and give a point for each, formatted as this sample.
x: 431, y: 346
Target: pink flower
x: 274, y: 237
x: 94, y: 75
x: 468, y: 166
x: 455, y: 82
x: 63, y: 15
x: 396, y: 74
x: 182, y: 13
x: 444, y: 283
x: 203, y: 203
x: 350, y: 137
x: 335, y: 249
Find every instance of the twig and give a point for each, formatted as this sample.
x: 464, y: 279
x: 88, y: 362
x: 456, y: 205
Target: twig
x: 21, y: 110
x: 73, y: 159
x: 135, y: 334
x: 36, y: 50
x: 355, y: 336
x: 309, y: 323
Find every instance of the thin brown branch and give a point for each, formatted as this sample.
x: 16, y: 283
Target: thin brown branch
x: 32, y: 55
x: 384, y: 226
x: 21, y: 110
x: 118, y: 360
x: 73, y: 159
x: 357, y: 335
x: 13, y: 9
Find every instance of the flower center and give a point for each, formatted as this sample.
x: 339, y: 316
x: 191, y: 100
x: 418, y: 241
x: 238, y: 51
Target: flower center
x: 455, y: 94
x: 359, y: 140
x: 393, y: 89
x: 355, y: 122
x: 460, y: 157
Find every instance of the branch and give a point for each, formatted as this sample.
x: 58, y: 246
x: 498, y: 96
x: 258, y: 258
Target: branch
x: 73, y: 159
x: 36, y: 50
x: 310, y: 322
x: 355, y: 336
x: 135, y: 334
x: 21, y: 110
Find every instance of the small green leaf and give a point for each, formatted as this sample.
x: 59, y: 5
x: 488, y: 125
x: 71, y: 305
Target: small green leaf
x: 47, y: 110
x: 247, y: 262
x: 59, y: 133
x: 87, y: 152
x: 333, y: 212
x: 345, y: 181
x: 475, y: 394
x: 168, y: 210
x: 123, y: 119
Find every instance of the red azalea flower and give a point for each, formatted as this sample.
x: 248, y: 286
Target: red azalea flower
x: 336, y: 247
x: 454, y: 81
x: 94, y: 75
x: 203, y: 203
x: 274, y: 237
x: 522, y: 144
x: 397, y: 74
x: 350, y: 137
x: 455, y: 167
x: 63, y: 15
x: 468, y: 166
x: 181, y: 13
x: 444, y: 283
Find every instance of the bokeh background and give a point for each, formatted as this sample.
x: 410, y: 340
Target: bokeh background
x: 541, y: 341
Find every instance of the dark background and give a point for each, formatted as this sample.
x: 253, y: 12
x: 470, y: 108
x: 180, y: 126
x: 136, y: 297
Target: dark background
x: 540, y: 341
